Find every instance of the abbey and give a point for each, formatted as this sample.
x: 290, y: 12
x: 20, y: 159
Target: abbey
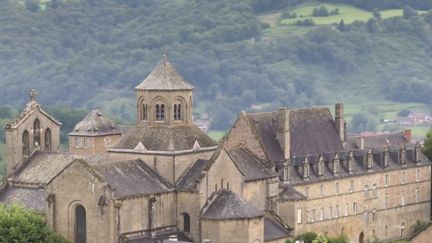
x: 275, y: 175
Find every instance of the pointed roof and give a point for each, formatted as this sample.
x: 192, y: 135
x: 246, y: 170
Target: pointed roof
x: 164, y: 77
x: 228, y: 206
x: 94, y: 124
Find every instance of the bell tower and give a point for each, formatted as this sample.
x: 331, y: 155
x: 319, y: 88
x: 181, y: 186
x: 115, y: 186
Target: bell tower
x: 34, y: 130
x: 164, y: 97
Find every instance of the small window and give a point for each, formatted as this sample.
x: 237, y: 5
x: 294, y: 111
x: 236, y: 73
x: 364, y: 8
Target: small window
x: 386, y: 201
x: 336, y: 213
x: 313, y: 215
x: 374, y: 216
x: 337, y: 187
x: 177, y: 112
x: 85, y: 142
x: 417, y: 195
x: 402, y: 199
x: 330, y: 212
x: 299, y: 215
x: 352, y: 186
x: 354, y: 208
x: 418, y: 175
x: 403, y: 177
x: 402, y: 230
x: 366, y: 191
x: 374, y: 190
x: 386, y: 180
x: 322, y: 214
x: 160, y: 112
x: 144, y: 116
x: 322, y: 190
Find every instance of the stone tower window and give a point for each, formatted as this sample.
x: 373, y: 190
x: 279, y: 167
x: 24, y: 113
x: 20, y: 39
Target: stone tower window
x: 177, y: 112
x: 144, y: 116
x: 160, y: 112
x: 36, y: 133
x: 26, y: 143
x: 186, y: 222
x: 48, y: 140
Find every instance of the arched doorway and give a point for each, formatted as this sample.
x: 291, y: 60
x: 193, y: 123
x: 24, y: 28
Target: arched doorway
x: 36, y: 133
x: 80, y: 225
x: 186, y: 222
x: 361, y: 237
x: 48, y: 140
x: 26, y: 143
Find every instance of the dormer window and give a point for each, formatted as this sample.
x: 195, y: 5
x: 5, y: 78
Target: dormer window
x: 320, y: 168
x: 160, y: 112
x: 177, y: 112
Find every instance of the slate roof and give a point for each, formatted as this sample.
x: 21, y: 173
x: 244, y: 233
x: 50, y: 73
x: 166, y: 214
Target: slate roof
x: 249, y: 165
x: 95, y: 124
x: 31, y: 106
x: 190, y: 178
x: 290, y: 194
x: 164, y: 77
x: 42, y: 167
x: 226, y: 205
x: 274, y: 230
x: 312, y: 131
x: 132, y: 178
x: 161, y: 237
x: 165, y: 138
x: 379, y: 141
x: 31, y: 198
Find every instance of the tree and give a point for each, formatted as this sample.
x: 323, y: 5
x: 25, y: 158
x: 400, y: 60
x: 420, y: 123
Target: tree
x: 320, y: 239
x: 409, y: 12
x: 21, y: 225
x: 427, y: 147
x: 341, y: 26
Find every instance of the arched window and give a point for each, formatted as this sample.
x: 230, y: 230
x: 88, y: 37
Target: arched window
x: 160, y: 112
x: 177, y: 112
x: 26, y: 143
x: 48, y: 140
x: 80, y: 225
x: 144, y: 112
x: 402, y: 230
x: 36, y: 133
x: 186, y: 222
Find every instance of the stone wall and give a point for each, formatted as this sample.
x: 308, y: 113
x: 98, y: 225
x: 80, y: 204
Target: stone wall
x: 234, y: 231
x: 95, y: 144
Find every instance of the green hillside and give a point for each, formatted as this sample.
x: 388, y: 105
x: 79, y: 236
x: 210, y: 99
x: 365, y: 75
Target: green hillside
x: 237, y: 54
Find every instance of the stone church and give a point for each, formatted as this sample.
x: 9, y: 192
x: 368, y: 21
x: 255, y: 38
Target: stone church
x: 275, y: 175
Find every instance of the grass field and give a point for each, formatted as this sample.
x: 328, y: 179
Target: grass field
x: 347, y: 12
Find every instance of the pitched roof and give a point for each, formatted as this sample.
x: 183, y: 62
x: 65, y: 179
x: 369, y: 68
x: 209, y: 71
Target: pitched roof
x: 165, y: 138
x: 94, y: 124
x: 164, y: 77
x: 189, y: 180
x: 226, y: 205
x: 132, y: 178
x: 249, y: 165
x: 31, y: 106
x: 41, y: 167
x: 274, y: 230
x: 31, y: 198
x: 290, y: 194
x: 312, y: 131
x: 379, y: 141
x: 160, y: 237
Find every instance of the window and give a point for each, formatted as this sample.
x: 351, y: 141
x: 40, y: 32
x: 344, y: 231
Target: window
x: 417, y: 199
x: 374, y: 190
x: 365, y: 216
x: 337, y: 187
x: 418, y: 175
x: 85, y: 142
x: 402, y: 230
x: 322, y: 190
x: 386, y: 180
x: 313, y: 215
x: 354, y: 210
x: 374, y: 216
x: 322, y: 214
x: 336, y: 211
x: 160, y: 112
x: 48, y: 140
x: 186, y: 222
x: 330, y: 212
x: 402, y: 199
x: 352, y: 186
x: 366, y: 191
x: 80, y: 225
x: 26, y: 143
x: 307, y: 191
x: 347, y: 209
x: 177, y: 112
x: 144, y: 116
x: 403, y: 177
x: 107, y: 142
x: 385, y: 230
x: 36, y: 133
x: 299, y: 215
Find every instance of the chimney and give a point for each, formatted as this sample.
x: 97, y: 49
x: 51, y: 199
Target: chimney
x: 359, y: 141
x: 408, y: 134
x: 340, y: 121
x: 284, y: 132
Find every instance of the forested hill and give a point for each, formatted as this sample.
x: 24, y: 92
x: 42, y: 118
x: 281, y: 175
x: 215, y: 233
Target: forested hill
x: 92, y: 53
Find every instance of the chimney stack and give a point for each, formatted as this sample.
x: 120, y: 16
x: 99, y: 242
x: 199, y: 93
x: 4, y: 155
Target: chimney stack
x: 359, y: 141
x: 340, y: 121
x: 408, y: 134
x: 284, y: 136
